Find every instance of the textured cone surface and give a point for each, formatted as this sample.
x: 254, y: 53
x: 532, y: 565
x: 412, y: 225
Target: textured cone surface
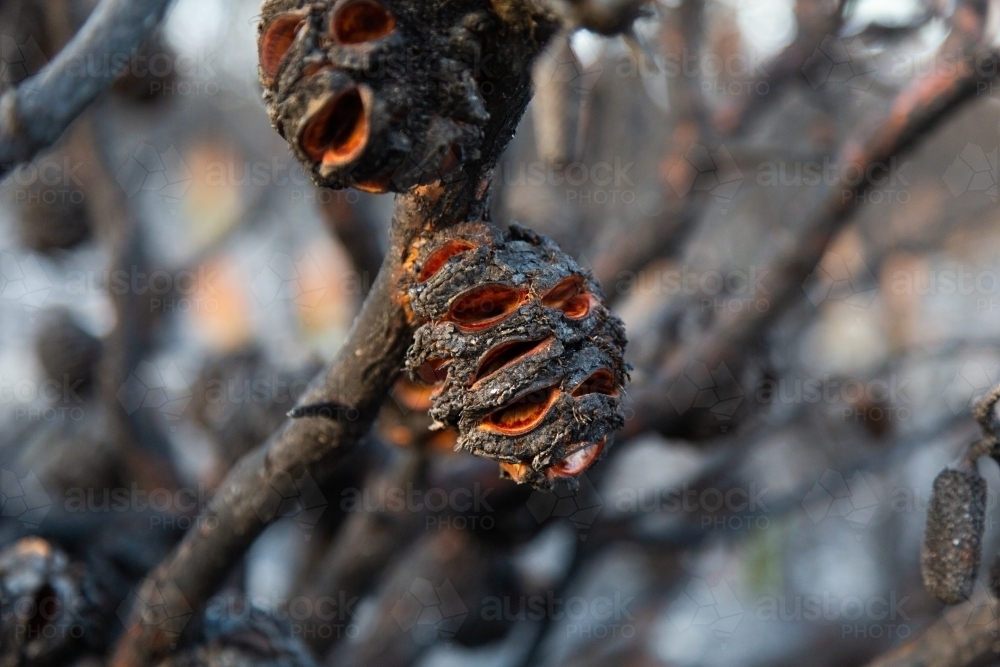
x: 519, y: 350
x: 953, y: 542
x: 375, y: 94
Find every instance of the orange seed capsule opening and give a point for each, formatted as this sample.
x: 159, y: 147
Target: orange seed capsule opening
x: 337, y: 133
x: 482, y: 306
x: 524, y: 414
x: 361, y: 21
x: 276, y: 40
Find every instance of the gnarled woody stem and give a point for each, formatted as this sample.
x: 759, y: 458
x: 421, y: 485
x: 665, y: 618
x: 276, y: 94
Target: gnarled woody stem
x: 359, y: 378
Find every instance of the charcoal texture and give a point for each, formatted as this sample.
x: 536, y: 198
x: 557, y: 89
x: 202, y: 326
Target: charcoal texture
x: 953, y: 541
x: 382, y: 95
x: 511, y: 319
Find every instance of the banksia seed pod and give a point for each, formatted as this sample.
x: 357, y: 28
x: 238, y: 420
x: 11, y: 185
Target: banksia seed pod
x: 374, y: 94
x: 520, y: 351
x: 953, y: 541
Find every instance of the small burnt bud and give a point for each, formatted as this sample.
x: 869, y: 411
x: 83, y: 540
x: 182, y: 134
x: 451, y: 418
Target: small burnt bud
x: 516, y: 349
x: 148, y: 75
x: 68, y: 353
x: 953, y: 541
x: 52, y: 219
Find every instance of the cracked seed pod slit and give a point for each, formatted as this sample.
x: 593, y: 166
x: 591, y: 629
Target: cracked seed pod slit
x: 519, y: 350
x: 374, y: 94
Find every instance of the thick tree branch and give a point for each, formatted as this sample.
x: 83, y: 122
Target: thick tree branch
x: 358, y: 379
x: 35, y: 114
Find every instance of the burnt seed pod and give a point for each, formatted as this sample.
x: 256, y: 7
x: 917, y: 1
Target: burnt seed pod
x: 519, y: 350
x: 953, y: 541
x: 374, y: 94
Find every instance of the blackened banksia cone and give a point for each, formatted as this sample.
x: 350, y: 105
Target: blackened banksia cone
x: 953, y: 542
x: 519, y: 350
x: 375, y: 94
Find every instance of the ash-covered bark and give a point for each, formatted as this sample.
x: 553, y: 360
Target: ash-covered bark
x: 510, y: 320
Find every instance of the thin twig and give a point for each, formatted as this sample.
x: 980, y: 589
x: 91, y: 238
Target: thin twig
x: 919, y: 108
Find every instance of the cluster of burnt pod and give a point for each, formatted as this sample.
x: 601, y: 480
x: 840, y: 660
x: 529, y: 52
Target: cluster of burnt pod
x: 956, y: 516
x: 376, y: 95
x: 517, y: 350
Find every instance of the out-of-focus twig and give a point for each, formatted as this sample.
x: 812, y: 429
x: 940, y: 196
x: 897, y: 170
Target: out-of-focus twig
x: 448, y: 569
x: 692, y: 132
x: 366, y: 543
x: 357, y: 232
x: 919, y: 107
x: 36, y: 113
x: 815, y: 23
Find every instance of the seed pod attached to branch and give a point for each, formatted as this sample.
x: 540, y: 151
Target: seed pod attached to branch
x: 519, y: 350
x: 375, y: 94
x: 953, y: 541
